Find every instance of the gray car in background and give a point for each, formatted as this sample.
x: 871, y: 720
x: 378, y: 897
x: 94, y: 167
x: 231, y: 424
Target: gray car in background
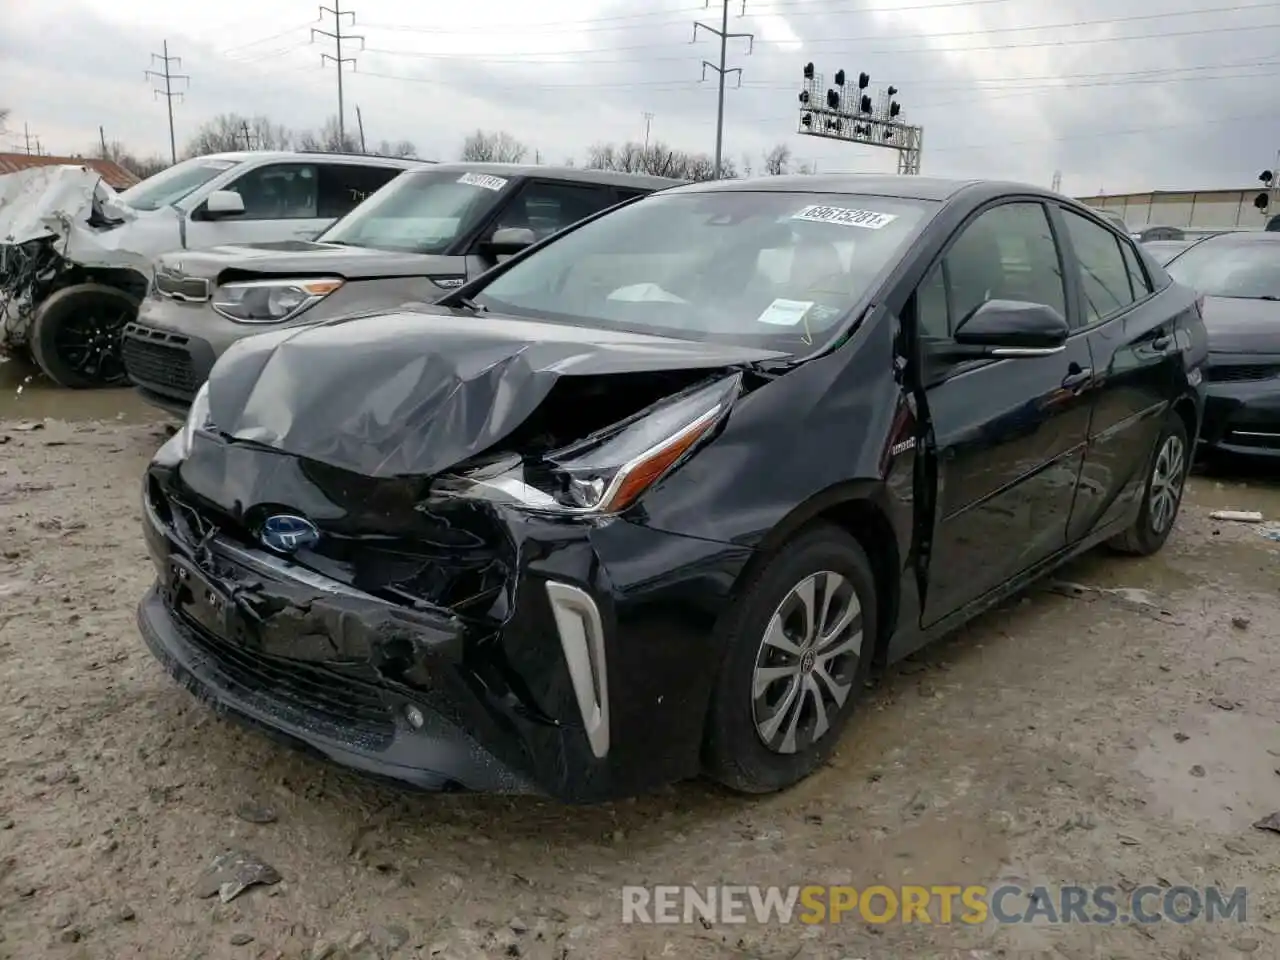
x: 425, y: 233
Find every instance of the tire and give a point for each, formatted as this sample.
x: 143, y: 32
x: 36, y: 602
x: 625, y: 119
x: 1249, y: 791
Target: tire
x: 1162, y: 496
x: 747, y: 747
x: 78, y: 334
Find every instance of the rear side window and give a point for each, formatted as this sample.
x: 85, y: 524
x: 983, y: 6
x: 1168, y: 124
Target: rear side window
x: 344, y: 186
x: 1104, y: 274
x: 1138, y: 281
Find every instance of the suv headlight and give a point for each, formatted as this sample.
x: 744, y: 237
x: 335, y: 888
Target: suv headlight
x: 197, y: 419
x: 271, y: 301
x: 608, y: 471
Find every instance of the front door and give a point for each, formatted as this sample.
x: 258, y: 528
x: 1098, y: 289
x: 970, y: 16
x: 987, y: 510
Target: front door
x: 1007, y: 436
x: 281, y: 202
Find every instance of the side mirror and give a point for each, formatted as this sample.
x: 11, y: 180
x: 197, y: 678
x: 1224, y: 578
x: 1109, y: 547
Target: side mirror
x: 223, y: 203
x: 1010, y: 328
x: 509, y: 240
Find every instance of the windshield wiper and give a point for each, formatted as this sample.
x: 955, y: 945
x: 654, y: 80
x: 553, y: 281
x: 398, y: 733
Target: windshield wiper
x: 471, y: 305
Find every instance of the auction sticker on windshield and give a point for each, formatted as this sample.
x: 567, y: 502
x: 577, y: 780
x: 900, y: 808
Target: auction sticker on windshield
x: 868, y: 219
x: 785, y: 313
x: 482, y: 180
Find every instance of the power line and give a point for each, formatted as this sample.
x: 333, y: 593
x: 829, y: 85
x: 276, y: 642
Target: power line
x: 168, y: 92
x: 575, y: 56
x: 259, y: 42
x: 721, y: 70
x: 338, y: 36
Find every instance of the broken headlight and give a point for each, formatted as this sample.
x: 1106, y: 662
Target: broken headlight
x: 197, y: 419
x: 271, y: 301
x: 608, y: 471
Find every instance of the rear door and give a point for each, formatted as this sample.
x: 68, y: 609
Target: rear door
x: 1007, y: 436
x: 1135, y: 360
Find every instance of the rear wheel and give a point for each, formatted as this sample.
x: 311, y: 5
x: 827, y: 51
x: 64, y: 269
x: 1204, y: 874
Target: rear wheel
x: 1162, y: 497
x: 798, y: 648
x: 78, y: 333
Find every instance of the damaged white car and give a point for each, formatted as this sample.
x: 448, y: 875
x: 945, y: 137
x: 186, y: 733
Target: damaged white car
x: 76, y: 257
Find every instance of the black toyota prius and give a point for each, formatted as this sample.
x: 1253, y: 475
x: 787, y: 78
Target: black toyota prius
x: 649, y: 500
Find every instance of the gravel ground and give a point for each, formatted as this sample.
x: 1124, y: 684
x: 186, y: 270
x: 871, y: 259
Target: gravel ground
x: 1125, y: 734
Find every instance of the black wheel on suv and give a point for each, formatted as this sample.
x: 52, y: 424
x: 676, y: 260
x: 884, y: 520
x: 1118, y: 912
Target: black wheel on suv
x: 797, y: 650
x: 76, y: 338
x: 1166, y: 476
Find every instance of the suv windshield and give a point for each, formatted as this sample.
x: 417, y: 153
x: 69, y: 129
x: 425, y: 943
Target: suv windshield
x: 170, y: 186
x: 1244, y: 268
x: 419, y: 212
x: 774, y: 270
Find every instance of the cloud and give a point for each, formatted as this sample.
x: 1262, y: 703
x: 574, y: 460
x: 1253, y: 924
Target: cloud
x: 1109, y: 92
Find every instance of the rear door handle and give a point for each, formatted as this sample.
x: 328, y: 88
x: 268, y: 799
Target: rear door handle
x: 1077, y: 378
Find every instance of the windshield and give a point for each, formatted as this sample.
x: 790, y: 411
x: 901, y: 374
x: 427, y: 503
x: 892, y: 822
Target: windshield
x: 774, y: 270
x: 170, y: 186
x: 419, y: 212
x: 1230, y: 267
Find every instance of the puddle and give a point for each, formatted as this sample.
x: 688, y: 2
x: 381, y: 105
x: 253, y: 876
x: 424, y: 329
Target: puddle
x: 25, y: 394
x: 1222, y: 777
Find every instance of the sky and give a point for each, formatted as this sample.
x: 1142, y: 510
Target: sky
x: 1113, y: 95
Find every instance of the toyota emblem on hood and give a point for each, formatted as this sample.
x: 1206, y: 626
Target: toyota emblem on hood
x: 286, y: 533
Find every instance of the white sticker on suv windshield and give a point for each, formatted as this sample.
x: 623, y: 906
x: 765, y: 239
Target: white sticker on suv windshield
x: 868, y: 219
x: 482, y: 180
x: 785, y: 313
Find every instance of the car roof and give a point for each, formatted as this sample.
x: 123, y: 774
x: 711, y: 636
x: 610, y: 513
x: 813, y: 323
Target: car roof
x: 1244, y: 236
x: 901, y: 186
x: 579, y: 174
x: 239, y: 156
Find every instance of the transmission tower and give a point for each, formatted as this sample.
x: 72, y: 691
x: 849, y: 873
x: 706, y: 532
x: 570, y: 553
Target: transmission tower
x: 722, y: 70
x: 337, y: 36
x: 168, y: 76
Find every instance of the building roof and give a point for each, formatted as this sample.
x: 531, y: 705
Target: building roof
x: 114, y: 175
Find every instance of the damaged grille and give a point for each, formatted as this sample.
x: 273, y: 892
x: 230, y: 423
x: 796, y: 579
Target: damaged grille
x: 156, y: 358
x: 177, y: 287
x: 342, y: 704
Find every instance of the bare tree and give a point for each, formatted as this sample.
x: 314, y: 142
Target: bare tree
x: 329, y: 140
x: 500, y: 147
x: 657, y: 159
x: 806, y: 168
x: 746, y: 164
x: 4, y: 115
x: 142, y: 167
x: 231, y: 131
x: 777, y: 161
x: 401, y: 148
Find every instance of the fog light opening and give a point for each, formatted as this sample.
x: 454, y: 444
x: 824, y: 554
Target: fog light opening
x: 416, y: 718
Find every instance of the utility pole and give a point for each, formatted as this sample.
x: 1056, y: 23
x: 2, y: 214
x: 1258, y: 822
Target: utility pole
x: 721, y: 70
x: 1057, y: 181
x: 168, y: 92
x: 102, y: 137
x: 26, y: 135
x: 337, y: 36
x: 251, y: 140
x: 648, y: 119
x: 360, y: 121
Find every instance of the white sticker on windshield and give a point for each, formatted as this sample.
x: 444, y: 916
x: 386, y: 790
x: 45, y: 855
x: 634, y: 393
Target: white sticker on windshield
x: 785, y: 313
x: 868, y: 219
x: 482, y: 180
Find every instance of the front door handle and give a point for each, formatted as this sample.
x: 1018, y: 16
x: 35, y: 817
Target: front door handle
x: 1077, y: 377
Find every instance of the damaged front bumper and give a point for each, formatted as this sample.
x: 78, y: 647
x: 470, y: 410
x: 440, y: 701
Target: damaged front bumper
x: 591, y: 682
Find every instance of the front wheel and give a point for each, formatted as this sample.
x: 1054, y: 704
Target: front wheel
x: 1166, y: 477
x: 798, y: 648
x: 78, y: 334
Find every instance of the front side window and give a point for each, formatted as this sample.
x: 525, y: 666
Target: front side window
x: 1104, y: 276
x: 775, y: 270
x: 171, y: 185
x: 279, y: 191
x: 420, y: 212
x: 1007, y: 253
x: 1230, y: 266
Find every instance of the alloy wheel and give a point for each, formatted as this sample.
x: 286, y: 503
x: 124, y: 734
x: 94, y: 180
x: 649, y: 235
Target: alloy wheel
x: 1167, y: 477
x: 807, y: 662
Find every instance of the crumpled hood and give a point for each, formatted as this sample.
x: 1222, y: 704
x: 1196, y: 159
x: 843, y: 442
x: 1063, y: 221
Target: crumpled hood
x: 417, y: 392
x: 46, y: 201
x: 309, y: 258
x: 1242, y: 326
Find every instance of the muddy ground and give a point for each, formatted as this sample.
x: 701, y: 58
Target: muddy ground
x: 1121, y: 738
